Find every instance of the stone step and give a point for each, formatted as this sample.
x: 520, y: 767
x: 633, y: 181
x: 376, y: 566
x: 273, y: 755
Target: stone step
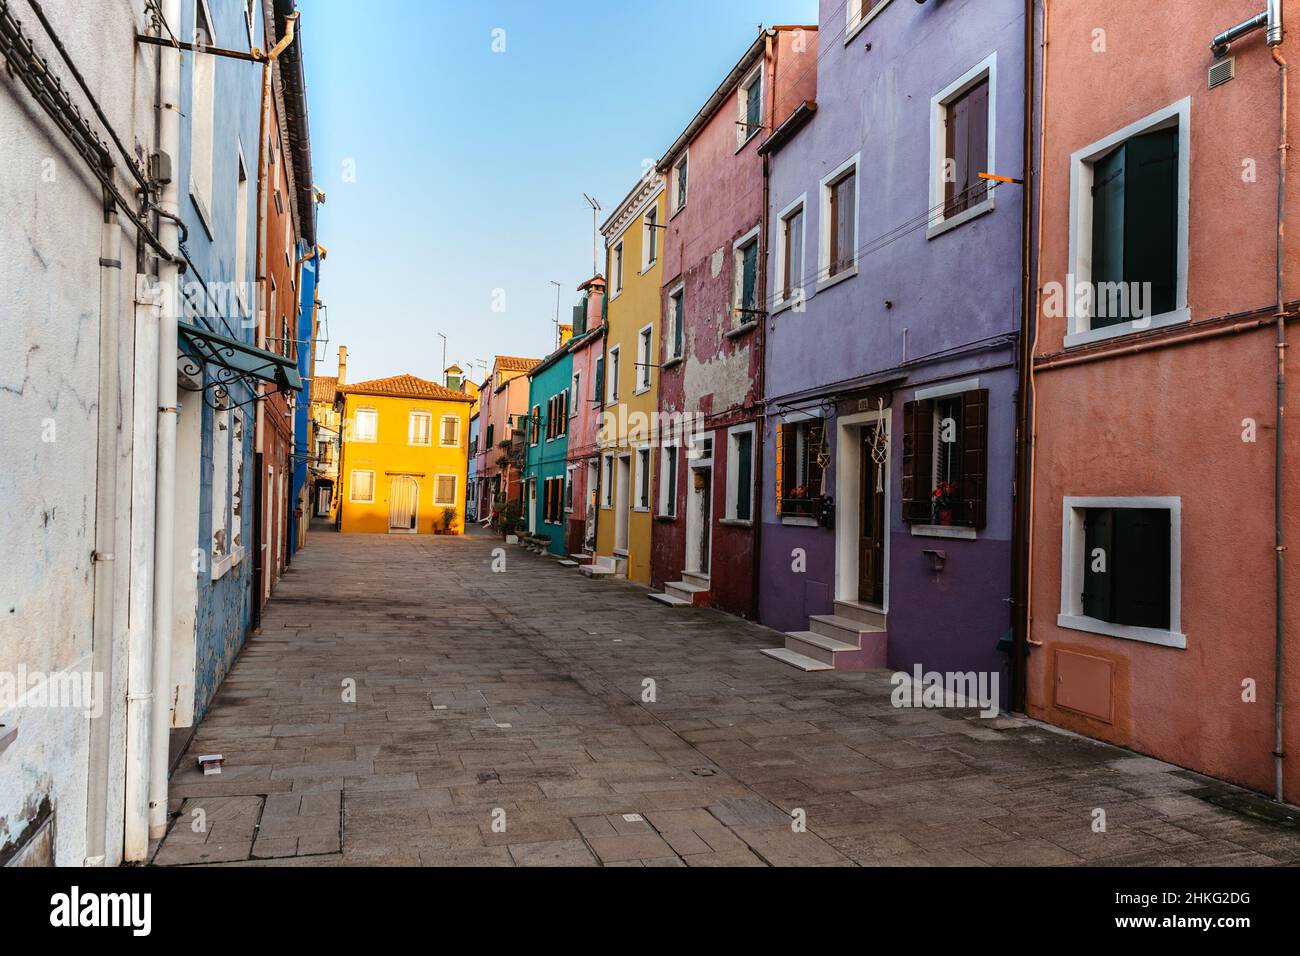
x: 861, y: 611
x: 817, y: 646
x: 690, y: 593
x: 797, y: 660
x: 842, y: 628
x: 596, y: 570
x: 566, y: 563
x: 669, y: 600
x: 699, y: 580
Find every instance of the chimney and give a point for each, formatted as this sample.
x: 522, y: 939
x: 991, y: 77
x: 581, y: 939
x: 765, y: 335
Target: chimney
x: 595, y: 301
x: 343, y: 364
x: 452, y: 376
x: 566, y: 333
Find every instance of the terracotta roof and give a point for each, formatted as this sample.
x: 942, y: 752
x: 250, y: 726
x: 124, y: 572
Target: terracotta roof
x: 405, y: 386
x: 323, y: 388
x: 509, y: 363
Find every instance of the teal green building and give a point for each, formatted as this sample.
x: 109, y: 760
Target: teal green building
x: 548, y: 486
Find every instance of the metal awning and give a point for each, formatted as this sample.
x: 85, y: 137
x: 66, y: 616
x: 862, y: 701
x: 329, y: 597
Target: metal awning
x: 235, y: 361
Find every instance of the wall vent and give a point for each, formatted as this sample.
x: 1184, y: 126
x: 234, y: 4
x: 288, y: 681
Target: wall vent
x: 1223, y: 71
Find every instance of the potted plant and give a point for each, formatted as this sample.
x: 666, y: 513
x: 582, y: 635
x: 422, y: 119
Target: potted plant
x: 945, y: 500
x: 448, y: 518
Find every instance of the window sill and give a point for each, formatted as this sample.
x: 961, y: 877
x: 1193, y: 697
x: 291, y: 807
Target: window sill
x: 677, y: 360
x: 943, y: 531
x: 648, y: 267
x: 615, y: 294
x: 222, y: 565
x: 673, y: 214
x: 746, y: 141
x: 783, y: 305
x: 666, y: 518
x: 799, y: 521
x: 642, y: 390
x: 745, y: 329
x: 641, y: 511
x: 736, y: 522
x: 1128, y: 632
x: 856, y: 29
x: 963, y: 217
x: 205, y: 218
x: 837, y: 278
x: 620, y: 552
x: 1087, y: 336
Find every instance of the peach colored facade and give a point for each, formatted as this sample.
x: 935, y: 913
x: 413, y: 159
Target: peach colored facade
x: 1166, y: 413
x: 503, y: 399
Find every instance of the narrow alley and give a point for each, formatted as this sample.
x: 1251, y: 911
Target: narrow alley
x: 405, y: 704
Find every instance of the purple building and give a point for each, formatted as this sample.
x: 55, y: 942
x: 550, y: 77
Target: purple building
x: 894, y: 302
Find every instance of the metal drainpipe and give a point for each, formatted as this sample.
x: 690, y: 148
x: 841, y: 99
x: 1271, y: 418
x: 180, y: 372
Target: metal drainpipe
x: 760, y: 498
x: 103, y: 557
x: 165, y: 482
x: 1279, y: 544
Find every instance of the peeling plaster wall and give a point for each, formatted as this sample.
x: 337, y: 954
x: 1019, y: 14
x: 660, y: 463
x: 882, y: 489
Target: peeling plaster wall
x: 49, y: 337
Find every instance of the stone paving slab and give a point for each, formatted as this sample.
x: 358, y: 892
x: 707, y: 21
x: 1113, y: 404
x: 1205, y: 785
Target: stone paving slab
x: 405, y: 705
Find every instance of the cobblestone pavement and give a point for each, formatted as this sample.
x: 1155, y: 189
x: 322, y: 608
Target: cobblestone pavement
x: 486, y: 699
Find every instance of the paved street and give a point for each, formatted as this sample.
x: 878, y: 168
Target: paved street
x: 498, y: 720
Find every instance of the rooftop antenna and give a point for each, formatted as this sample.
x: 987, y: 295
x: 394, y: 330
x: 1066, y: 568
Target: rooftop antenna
x: 595, y: 233
x: 557, y: 312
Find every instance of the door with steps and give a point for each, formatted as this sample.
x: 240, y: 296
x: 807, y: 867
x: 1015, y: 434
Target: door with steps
x: 853, y: 638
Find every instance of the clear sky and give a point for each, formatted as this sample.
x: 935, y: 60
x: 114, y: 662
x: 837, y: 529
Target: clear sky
x: 451, y: 170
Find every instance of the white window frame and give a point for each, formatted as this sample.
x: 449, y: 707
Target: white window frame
x: 642, y: 470
x: 648, y: 237
x: 668, y: 459
x: 1073, y: 561
x: 576, y: 393
x: 780, y: 300
x: 411, y: 418
x: 613, y: 366
x: 682, y: 164
x: 607, y: 472
x: 238, y: 424
x: 754, y: 78
x: 939, y: 103
x: 221, y: 431
x: 352, y: 486
x: 356, y: 426
x: 569, y: 472
x: 733, y: 473
x: 741, y: 320
x: 616, y: 268
x: 455, y: 489
x: 824, y: 279
x: 203, y: 97
x: 670, y: 323
x: 853, y: 25
x: 241, y: 227
x: 645, y: 339
x: 250, y: 8
x: 1079, y: 329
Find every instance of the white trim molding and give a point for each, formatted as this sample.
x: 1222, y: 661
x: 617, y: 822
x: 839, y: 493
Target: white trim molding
x: 1073, y: 561
x: 986, y: 68
x: 824, y: 280
x: 733, y: 474
x: 779, y: 301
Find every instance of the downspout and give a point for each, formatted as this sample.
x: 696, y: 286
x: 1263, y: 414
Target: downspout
x: 1279, y: 543
x: 772, y: 51
x: 164, y: 558
x: 103, y: 558
x: 1024, y: 398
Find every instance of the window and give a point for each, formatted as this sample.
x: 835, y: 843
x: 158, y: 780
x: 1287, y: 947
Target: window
x: 419, y: 429
x: 569, y: 472
x: 366, y: 424
x: 745, y: 284
x: 607, y: 489
x: 840, y: 222
x: 241, y: 233
x: 642, y: 479
x: 740, y: 473
x: 750, y: 104
x: 790, y: 252
x: 618, y: 268
x: 488, y: 442
x: 599, y: 384
x: 613, y: 374
x: 801, y: 458
x: 444, y: 490
x: 553, y: 500
x: 962, y: 128
x: 268, y: 329
x: 220, y: 484
x: 249, y: 6
x: 363, y: 487
x: 858, y: 13
x: 650, y: 243
x: 680, y: 171
x: 945, y: 458
x: 643, y: 357
x: 557, y: 415
x: 202, y: 97
x: 450, y: 437
x: 534, y: 425
x: 576, y: 392
x: 1121, y: 568
x: 677, y: 323
x: 668, y: 482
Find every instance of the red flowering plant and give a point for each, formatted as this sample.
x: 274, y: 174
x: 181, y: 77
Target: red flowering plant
x: 945, y: 496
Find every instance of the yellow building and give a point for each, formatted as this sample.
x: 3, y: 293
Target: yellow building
x: 634, y: 238
x: 404, y: 458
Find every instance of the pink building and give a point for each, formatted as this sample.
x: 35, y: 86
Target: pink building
x: 1158, y: 606
x: 503, y: 401
x: 588, y: 348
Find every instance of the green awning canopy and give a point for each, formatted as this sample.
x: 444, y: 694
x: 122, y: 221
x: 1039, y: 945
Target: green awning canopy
x: 239, y: 358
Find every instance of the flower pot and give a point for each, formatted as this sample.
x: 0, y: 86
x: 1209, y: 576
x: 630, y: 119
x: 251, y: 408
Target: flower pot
x: 945, y: 517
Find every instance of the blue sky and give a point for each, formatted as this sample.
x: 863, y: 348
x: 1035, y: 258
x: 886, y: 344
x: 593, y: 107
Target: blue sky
x: 470, y: 165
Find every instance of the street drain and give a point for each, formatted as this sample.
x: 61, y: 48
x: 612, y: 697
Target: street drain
x: 487, y: 775
x: 704, y: 772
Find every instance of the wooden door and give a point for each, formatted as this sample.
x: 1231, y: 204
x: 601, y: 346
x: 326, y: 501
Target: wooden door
x: 872, y: 529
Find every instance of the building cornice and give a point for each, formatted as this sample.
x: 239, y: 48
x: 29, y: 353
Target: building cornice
x: 646, y: 190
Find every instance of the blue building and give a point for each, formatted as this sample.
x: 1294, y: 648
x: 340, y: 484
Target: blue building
x: 546, y: 482
x: 300, y: 493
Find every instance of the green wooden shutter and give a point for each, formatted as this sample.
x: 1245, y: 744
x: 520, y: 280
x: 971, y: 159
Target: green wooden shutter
x: 744, y: 476
x: 918, y: 460
x: 1098, y: 538
x: 600, y: 380
x: 974, y: 456
x: 1151, y: 216
x: 1108, y: 233
x: 1140, y: 589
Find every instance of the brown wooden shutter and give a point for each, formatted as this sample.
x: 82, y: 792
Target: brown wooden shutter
x: 812, y: 467
x: 780, y: 465
x: 918, y: 460
x: 975, y: 456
